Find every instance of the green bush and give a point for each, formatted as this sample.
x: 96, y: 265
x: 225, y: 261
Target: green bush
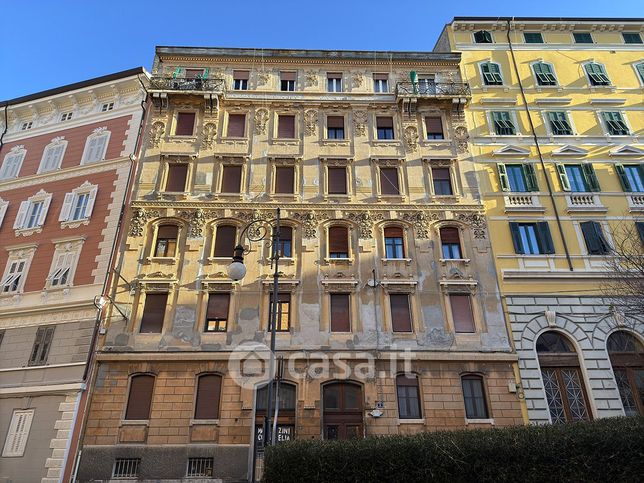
x: 607, y: 450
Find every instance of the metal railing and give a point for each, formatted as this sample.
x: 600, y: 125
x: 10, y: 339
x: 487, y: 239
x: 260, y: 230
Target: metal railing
x: 183, y: 84
x: 433, y: 89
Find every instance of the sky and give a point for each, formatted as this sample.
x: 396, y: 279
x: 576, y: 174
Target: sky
x: 50, y: 43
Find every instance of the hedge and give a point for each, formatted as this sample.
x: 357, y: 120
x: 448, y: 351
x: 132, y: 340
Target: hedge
x: 605, y: 450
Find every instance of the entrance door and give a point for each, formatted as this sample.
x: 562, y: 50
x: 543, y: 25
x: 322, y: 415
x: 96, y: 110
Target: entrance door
x: 343, y: 411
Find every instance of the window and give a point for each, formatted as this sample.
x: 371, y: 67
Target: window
x: 597, y: 74
x: 408, y: 396
x: 3, y: 209
x: 19, y: 427
x: 79, y: 204
x: 631, y: 176
x: 434, y: 126
x: 287, y: 81
x: 582, y: 37
x: 166, y: 243
x: 236, y: 125
x: 532, y: 238
x: 177, y: 177
x: 231, y: 179
x: 518, y: 178
x: 462, y: 314
x: 52, y: 155
x: 545, y: 74
x: 240, y: 80
x: 343, y: 411
x: 491, y: 74
x: 394, y: 246
x: 66, y: 116
x: 625, y: 353
x: 217, y: 312
x: 153, y: 313
x: 503, y: 125
x: 14, y: 275
x: 482, y: 37
x: 200, y: 467
x: 533, y: 37
x: 335, y: 127
x: 340, y: 312
x: 285, y: 127
x: 26, y: 125
x: 580, y: 178
x: 639, y: 225
x: 33, y: 212
x: 338, y: 242
x: 474, y: 397
x: 334, y: 82
x: 208, y: 395
x: 195, y: 74
x: 426, y: 84
x: 442, y: 182
x: 284, y: 179
x: 185, y: 124
x: 337, y: 177
x: 42, y: 344
x: 61, y: 271
x: 283, y: 312
x: 596, y: 242
x: 12, y: 163
x: 632, y: 37
x: 287, y: 399
x: 126, y: 468
x: 389, y: 181
x: 380, y: 83
x: 96, y: 146
x: 615, y: 124
x: 640, y: 71
x: 139, y: 399
x: 385, y: 127
x: 559, y: 124
x: 225, y: 241
x: 286, y: 242
x: 450, y: 243
x: 400, y: 312
x: 107, y: 107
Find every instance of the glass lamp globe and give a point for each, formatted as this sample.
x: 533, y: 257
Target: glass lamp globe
x: 236, y: 270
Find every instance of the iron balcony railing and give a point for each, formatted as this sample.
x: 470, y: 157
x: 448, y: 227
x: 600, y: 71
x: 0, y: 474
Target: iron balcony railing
x: 186, y: 85
x: 433, y: 89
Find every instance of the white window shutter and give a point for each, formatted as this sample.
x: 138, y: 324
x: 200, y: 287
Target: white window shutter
x: 44, y: 163
x: 90, y: 202
x: 3, y: 210
x: 43, y: 212
x: 90, y: 149
x: 67, y: 206
x: 11, y: 165
x: 22, y: 214
x: 18, y: 433
x: 101, y: 144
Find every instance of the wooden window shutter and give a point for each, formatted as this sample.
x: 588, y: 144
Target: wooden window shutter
x: 236, y: 125
x: 284, y: 178
x: 393, y: 232
x: 335, y: 122
x: 337, y: 180
x: 545, y: 239
x: 340, y: 312
x: 185, y: 124
x: 218, y: 304
x: 441, y: 174
x: 400, y: 312
x: 504, y: 181
x: 208, y: 395
x: 434, y: 125
x: 384, y: 122
x: 140, y: 398
x: 462, y: 313
x: 286, y: 127
x: 389, y: 181
x: 381, y: 76
x: 241, y: 74
x: 288, y: 76
x: 168, y: 232
x: 338, y: 239
x: 153, y: 313
x: 225, y: 241
x: 450, y: 235
x: 286, y: 233
x: 177, y: 176
x: 231, y: 179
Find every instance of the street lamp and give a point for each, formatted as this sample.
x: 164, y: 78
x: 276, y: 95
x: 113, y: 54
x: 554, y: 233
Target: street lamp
x: 259, y: 230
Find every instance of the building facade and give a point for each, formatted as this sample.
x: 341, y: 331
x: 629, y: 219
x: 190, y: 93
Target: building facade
x: 556, y: 128
x: 389, y: 315
x: 65, y: 166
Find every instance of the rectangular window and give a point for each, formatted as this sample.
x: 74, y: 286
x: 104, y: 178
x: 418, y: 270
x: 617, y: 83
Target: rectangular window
x: 217, y: 312
x: 389, y: 181
x: 337, y: 180
x: 42, y: 344
x: 95, y: 148
x: 200, y: 467
x: 61, y: 271
x: 450, y: 243
x: 615, y: 124
x: 18, y: 433
x: 107, y: 107
x: 475, y: 404
x: 491, y: 74
x: 408, y: 397
x: 516, y: 178
x: 434, y: 125
x: 286, y: 127
x: 380, y: 83
x: 576, y: 178
x: 283, y: 312
x: 597, y: 74
x: 462, y: 313
x: 11, y: 165
x: 194, y: 73
x: 185, y: 124
x: 66, y: 116
x: 559, y: 124
x: 284, y: 179
x: 208, y: 396
x: 126, y: 468
x: 394, y: 242
x: 225, y: 241
x: 545, y: 74
x: 236, y: 125
x: 26, y: 125
x: 338, y: 242
x: 632, y: 37
x: 385, y: 127
x: 400, y: 312
x: 532, y: 238
x: 503, y: 125
x: 52, y: 157
x: 533, y: 37
x: 240, y: 80
x: 335, y: 127
x: 287, y: 81
x: 177, y: 177
x: 596, y: 242
x: 14, y: 277
x: 582, y: 37
x: 334, y: 82
x: 154, y: 313
x: 442, y: 182
x: 35, y: 211
x: 166, y: 242
x: 231, y: 179
x: 340, y: 312
x: 631, y: 177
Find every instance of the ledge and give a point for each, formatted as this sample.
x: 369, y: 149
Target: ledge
x: 480, y: 421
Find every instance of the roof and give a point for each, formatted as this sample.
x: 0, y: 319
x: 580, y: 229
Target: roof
x: 549, y: 19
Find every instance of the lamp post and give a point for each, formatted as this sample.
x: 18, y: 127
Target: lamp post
x: 258, y: 230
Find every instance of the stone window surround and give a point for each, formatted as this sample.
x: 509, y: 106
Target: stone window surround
x: 337, y: 162
x: 72, y: 245
x: 19, y: 252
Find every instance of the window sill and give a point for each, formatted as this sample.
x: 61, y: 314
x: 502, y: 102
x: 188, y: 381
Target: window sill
x: 335, y: 142
x: 29, y: 231
x: 392, y: 198
x: 385, y: 142
x: 134, y: 422
x: 198, y: 422
x: 174, y: 195
x: 338, y: 261
x: 336, y: 197
x: 59, y: 288
x: 6, y: 295
x: 387, y: 261
x: 425, y: 142
x: 74, y: 223
x: 234, y: 139
x: 285, y: 141
x: 162, y: 260
x: 410, y: 421
x: 480, y: 421
x: 218, y: 260
x: 454, y: 260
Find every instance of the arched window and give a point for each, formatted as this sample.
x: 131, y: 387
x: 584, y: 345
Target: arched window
x: 597, y: 74
x: 491, y: 73
x: 225, y: 240
x: 208, y: 395
x: 450, y: 243
x: 474, y: 397
x: 394, y: 244
x: 408, y: 396
x: 338, y: 242
x: 286, y: 414
x: 562, y: 380
x: 627, y: 358
x: 96, y: 146
x: 544, y: 73
x: 286, y: 241
x: 52, y: 156
x: 343, y: 410
x: 166, y: 243
x: 139, y: 399
x: 482, y: 37
x: 12, y: 162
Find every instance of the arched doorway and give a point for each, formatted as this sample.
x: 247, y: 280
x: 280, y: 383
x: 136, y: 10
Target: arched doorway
x: 627, y: 358
x: 343, y: 410
x: 286, y: 415
x: 562, y: 379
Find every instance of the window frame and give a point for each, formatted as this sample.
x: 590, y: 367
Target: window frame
x: 334, y: 81
x: 42, y: 346
x: 11, y: 447
x: 328, y: 129
x: 155, y: 244
x: 349, y: 305
x: 97, y: 134
x: 599, y: 232
x: 279, y: 116
x: 485, y: 76
x: 426, y: 133
x: 244, y: 125
x: 608, y: 124
x: 217, y: 406
x: 349, y: 253
x: 544, y: 79
x: 380, y: 86
x: 574, y: 39
x: 71, y: 201
x: 541, y: 239
x: 553, y: 129
x: 126, y: 409
x: 410, y: 306
x: 412, y: 415
x: 400, y: 187
x: 385, y: 129
x: 288, y: 81
x: 459, y: 244
x: 142, y: 307
x: 540, y: 34
x: 68, y: 253
x: 54, y: 144
x: 25, y: 212
x: 280, y: 311
x: 510, y: 123
x: 402, y: 246
x: 626, y: 42
x: 227, y: 223
x: 484, y: 397
x: 175, y: 123
x: 16, y: 152
x: 489, y: 34
x: 590, y: 76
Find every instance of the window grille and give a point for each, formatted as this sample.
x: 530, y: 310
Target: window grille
x: 199, y: 467
x: 126, y: 468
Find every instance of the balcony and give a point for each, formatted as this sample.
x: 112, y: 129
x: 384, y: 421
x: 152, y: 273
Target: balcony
x: 636, y: 202
x: 432, y: 90
x: 523, y: 202
x: 584, y: 202
x: 188, y: 86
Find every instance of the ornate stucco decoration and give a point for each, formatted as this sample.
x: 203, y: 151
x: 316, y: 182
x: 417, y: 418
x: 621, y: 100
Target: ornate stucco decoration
x: 100, y: 130
x: 311, y: 78
x: 360, y: 123
x: 139, y: 218
x: 357, y: 79
x: 310, y: 221
x: 475, y: 220
x: 58, y: 140
x: 421, y: 221
x: 156, y: 133
x: 365, y: 221
x: 17, y: 148
x: 261, y: 119
x: 209, y: 133
x: 411, y: 138
x: 311, y: 121
x: 262, y: 78
x: 461, y: 136
x: 197, y: 220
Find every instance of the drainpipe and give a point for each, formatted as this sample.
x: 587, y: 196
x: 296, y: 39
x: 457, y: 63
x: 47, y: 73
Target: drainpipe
x: 6, y: 125
x: 536, y: 142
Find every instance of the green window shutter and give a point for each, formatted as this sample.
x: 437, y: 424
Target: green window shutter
x: 503, y: 177
x: 640, y: 230
x: 590, y: 236
x: 623, y: 179
x: 640, y: 71
x: 590, y: 177
x: 206, y: 71
x: 516, y: 238
x: 530, y: 177
x: 545, y: 239
x: 563, y: 177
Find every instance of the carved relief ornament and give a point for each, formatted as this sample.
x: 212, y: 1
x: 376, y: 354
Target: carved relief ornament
x: 411, y: 138
x: 365, y: 221
x: 156, y: 133
x: 139, y: 218
x: 261, y: 118
x: 209, y: 133
x: 311, y: 122
x: 360, y: 123
x: 310, y: 221
x: 476, y: 221
x: 421, y: 221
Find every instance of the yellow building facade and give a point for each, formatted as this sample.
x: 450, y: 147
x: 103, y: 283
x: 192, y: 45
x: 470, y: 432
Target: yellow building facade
x: 556, y: 129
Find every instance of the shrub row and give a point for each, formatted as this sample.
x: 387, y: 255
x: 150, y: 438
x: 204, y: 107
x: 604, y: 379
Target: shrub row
x: 599, y: 451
